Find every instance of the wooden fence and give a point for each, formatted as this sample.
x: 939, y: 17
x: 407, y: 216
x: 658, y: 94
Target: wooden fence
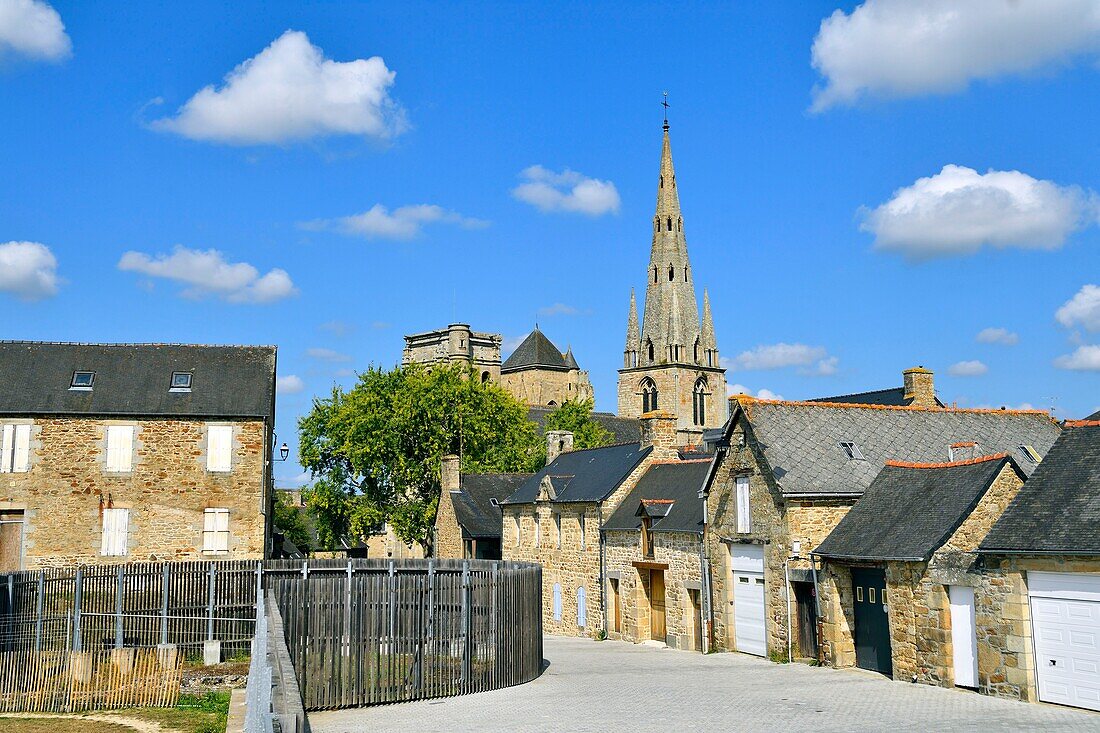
x: 373, y: 631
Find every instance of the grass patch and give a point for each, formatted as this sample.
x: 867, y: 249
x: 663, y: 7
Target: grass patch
x: 60, y: 725
x: 192, y: 714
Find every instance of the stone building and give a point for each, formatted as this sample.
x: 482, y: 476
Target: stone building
x: 653, y: 557
x: 120, y: 452
x: 1038, y: 604
x: 918, y: 390
x: 554, y: 519
x: 671, y: 363
x: 898, y: 585
x: 468, y: 521
x: 456, y: 344
x: 788, y: 472
x: 537, y: 373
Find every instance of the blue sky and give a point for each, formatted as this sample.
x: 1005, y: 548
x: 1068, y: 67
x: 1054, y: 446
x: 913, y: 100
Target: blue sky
x: 857, y: 200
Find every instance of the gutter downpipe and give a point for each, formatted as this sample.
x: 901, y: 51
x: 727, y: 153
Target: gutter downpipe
x: 704, y: 567
x: 603, y: 580
x: 817, y: 607
x: 787, y: 592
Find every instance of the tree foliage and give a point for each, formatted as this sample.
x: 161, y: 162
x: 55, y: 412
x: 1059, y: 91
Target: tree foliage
x: 292, y: 522
x: 376, y: 449
x: 576, y: 417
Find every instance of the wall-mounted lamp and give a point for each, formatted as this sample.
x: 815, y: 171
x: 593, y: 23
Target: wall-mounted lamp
x: 284, y: 450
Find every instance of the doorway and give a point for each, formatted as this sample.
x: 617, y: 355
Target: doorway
x: 806, y: 632
x: 11, y: 541
x: 696, y: 620
x: 616, y: 608
x: 872, y: 621
x: 657, y: 629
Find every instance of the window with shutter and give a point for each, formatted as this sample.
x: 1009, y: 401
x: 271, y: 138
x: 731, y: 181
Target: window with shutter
x: 120, y: 448
x: 744, y: 511
x: 15, y: 449
x: 219, y: 448
x: 215, y: 532
x: 116, y: 523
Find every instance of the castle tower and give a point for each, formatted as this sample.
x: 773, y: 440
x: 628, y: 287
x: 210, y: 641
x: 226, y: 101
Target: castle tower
x: 672, y: 362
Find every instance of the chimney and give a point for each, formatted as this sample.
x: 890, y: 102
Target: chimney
x: 919, y: 387
x: 557, y: 442
x: 449, y: 473
x: 659, y: 430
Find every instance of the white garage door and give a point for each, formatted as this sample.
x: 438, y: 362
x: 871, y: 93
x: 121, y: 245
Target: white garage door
x: 1065, y: 619
x: 747, y: 562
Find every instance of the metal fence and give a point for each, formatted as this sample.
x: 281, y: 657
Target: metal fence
x: 258, y: 716
x: 366, y: 632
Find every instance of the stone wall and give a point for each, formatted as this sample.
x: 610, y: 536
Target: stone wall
x: 675, y: 384
x: 166, y: 492
x: 447, y: 542
x: 683, y: 579
x: 542, y: 387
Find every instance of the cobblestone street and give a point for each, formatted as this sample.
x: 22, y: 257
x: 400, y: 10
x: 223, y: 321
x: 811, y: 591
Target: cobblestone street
x: 592, y: 686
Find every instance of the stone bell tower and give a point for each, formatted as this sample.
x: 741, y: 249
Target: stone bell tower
x: 671, y: 362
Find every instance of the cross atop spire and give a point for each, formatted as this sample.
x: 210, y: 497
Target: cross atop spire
x: 665, y: 104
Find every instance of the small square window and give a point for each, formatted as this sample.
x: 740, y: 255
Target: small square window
x: 181, y: 380
x: 852, y: 451
x: 82, y: 380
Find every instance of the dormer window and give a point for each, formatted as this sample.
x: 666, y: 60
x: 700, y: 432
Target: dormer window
x: 82, y: 380
x: 181, y: 381
x: 852, y: 451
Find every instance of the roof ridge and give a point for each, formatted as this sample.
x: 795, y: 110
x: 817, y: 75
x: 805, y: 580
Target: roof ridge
x: 598, y: 447
x: 857, y: 394
x: 1082, y: 423
x: 670, y: 461
x: 499, y: 473
x: 910, y: 408
x: 949, y: 464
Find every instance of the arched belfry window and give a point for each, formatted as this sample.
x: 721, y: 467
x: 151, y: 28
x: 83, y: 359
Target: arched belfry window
x: 649, y: 349
x: 670, y: 223
x: 654, y: 274
x: 671, y: 272
x: 699, y: 402
x: 649, y: 395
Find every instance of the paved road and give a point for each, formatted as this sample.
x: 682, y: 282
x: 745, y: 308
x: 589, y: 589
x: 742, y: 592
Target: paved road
x: 603, y: 686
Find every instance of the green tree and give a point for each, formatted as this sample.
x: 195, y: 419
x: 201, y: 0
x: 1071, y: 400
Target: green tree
x: 376, y: 449
x: 576, y: 417
x: 292, y: 522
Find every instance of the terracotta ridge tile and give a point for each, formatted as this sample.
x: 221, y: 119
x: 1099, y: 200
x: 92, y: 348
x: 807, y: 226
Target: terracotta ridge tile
x: 1082, y: 423
x: 909, y: 408
x: 949, y: 464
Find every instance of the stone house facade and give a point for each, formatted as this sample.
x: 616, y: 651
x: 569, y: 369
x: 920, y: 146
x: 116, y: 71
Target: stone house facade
x: 114, y: 453
x: 468, y: 520
x: 555, y: 517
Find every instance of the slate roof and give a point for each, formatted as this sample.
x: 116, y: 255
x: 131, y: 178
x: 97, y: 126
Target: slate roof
x: 907, y: 513
x: 536, y: 351
x: 1058, y: 510
x: 893, y: 397
x: 1094, y: 416
x: 134, y: 379
x: 679, y: 481
x: 622, y: 429
x: 584, y: 475
x: 800, y: 440
x: 474, y: 506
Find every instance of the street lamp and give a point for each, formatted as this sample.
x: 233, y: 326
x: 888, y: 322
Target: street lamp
x: 284, y: 450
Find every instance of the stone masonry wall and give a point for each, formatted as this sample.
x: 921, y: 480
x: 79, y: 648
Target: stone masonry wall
x: 675, y: 384
x: 540, y: 387
x: 448, y: 533
x: 166, y: 492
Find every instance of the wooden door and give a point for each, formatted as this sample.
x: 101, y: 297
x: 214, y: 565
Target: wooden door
x: 11, y: 541
x: 696, y: 621
x: 807, y: 620
x: 872, y: 632
x: 616, y: 612
x: 657, y: 605
x: 964, y: 639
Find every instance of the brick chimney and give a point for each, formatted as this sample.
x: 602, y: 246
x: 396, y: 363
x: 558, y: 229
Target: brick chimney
x: 659, y: 431
x: 919, y: 387
x: 557, y: 442
x: 449, y: 473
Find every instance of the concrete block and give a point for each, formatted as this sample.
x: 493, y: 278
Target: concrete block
x: 123, y: 659
x: 211, y: 652
x: 80, y: 666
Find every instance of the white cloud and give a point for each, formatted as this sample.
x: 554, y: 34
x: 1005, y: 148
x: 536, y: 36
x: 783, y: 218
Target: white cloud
x: 959, y: 210
x: 906, y: 48
x: 404, y: 222
x: 33, y: 28
x: 1001, y: 336
x: 208, y: 273
x: 28, y: 270
x: 328, y: 355
x: 763, y: 394
x: 1083, y: 309
x: 813, y: 360
x: 972, y: 368
x: 290, y: 384
x: 558, y: 309
x: 1084, y: 359
x: 566, y: 191
x: 337, y: 328
x: 511, y: 343
x: 290, y: 91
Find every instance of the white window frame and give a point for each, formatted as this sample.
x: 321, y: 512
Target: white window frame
x: 219, y: 448
x: 114, y: 540
x: 119, y: 451
x: 215, y: 531
x: 744, y: 505
x: 15, y: 448
x: 557, y: 528
x: 580, y: 523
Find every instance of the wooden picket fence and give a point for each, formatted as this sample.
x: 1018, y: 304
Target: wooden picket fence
x: 63, y: 681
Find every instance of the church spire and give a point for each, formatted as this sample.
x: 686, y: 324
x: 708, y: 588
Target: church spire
x: 633, y: 335
x: 708, y: 342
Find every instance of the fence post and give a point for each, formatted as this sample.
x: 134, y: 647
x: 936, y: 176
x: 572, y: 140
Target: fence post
x: 259, y: 584
x: 118, y: 609
x: 78, y: 592
x: 164, y: 605
x: 211, y: 650
x: 393, y: 607
x: 347, y: 613
x: 465, y: 679
x: 39, y: 608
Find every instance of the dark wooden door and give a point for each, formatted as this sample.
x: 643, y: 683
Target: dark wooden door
x: 807, y: 619
x: 657, y: 605
x: 872, y: 632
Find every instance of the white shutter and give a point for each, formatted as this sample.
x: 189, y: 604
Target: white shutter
x: 744, y: 512
x: 7, y: 444
x: 116, y: 522
x: 215, y: 531
x: 219, y: 447
x: 120, y: 448
x: 21, y: 462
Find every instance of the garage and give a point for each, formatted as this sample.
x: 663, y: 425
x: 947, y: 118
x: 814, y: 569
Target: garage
x: 1065, y: 619
x: 747, y: 562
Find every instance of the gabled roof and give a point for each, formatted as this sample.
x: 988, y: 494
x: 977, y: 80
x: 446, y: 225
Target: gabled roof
x: 675, y: 481
x: 584, y: 475
x: 894, y: 397
x: 910, y: 509
x: 622, y: 429
x: 473, y: 504
x: 1093, y: 416
x: 536, y: 351
x: 800, y: 440
x: 136, y: 379
x: 1058, y: 510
